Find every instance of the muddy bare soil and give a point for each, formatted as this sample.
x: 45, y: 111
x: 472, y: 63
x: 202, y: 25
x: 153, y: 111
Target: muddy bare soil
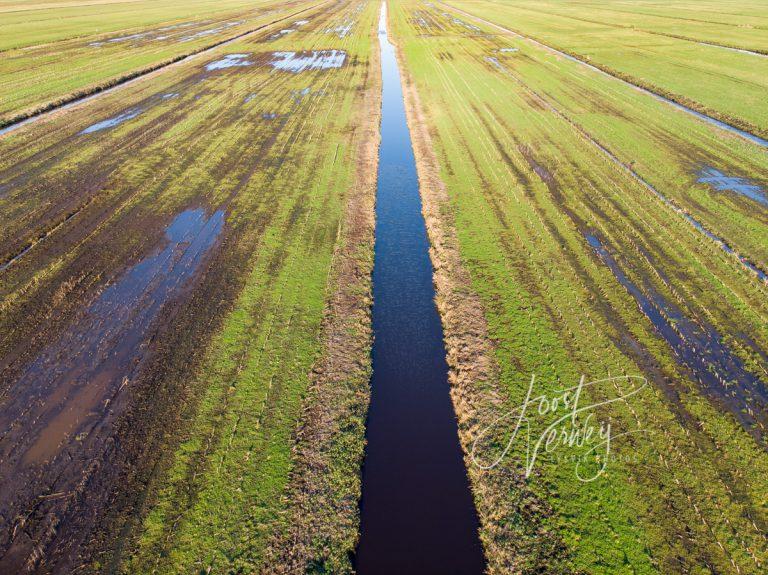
x: 130, y: 316
x: 66, y: 447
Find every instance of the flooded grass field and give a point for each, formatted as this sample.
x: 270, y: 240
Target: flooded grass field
x: 68, y: 64
x: 414, y: 287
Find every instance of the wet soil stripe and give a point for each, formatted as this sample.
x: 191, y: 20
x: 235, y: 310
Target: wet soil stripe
x: 73, y: 100
x: 41, y: 238
x: 755, y: 139
x: 698, y: 347
x: 59, y: 412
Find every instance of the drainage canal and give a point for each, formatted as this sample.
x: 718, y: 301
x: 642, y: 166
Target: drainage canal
x: 417, y: 510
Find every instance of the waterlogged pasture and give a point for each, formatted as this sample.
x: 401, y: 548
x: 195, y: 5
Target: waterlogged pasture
x: 551, y: 171
x: 99, y: 46
x: 184, y: 228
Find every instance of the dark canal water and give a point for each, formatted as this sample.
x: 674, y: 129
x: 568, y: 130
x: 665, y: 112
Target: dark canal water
x: 417, y: 511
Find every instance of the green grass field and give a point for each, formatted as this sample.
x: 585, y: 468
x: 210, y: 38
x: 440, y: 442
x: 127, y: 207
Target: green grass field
x: 647, y: 49
x: 517, y: 138
x: 115, y: 43
x: 31, y: 22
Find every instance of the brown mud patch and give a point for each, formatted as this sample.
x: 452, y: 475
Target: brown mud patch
x: 67, y: 460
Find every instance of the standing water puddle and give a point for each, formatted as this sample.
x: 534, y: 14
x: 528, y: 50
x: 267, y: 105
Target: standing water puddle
x: 699, y: 348
x: 314, y: 60
x: 460, y: 22
x: 67, y: 390
x: 124, y: 116
x: 343, y: 28
x: 211, y: 31
x: 417, y: 513
x: 111, y: 122
x: 723, y: 183
x: 282, y: 33
x: 229, y: 61
x: 495, y: 63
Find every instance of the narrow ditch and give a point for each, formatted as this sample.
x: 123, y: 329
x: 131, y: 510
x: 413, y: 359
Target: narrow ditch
x: 417, y: 513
